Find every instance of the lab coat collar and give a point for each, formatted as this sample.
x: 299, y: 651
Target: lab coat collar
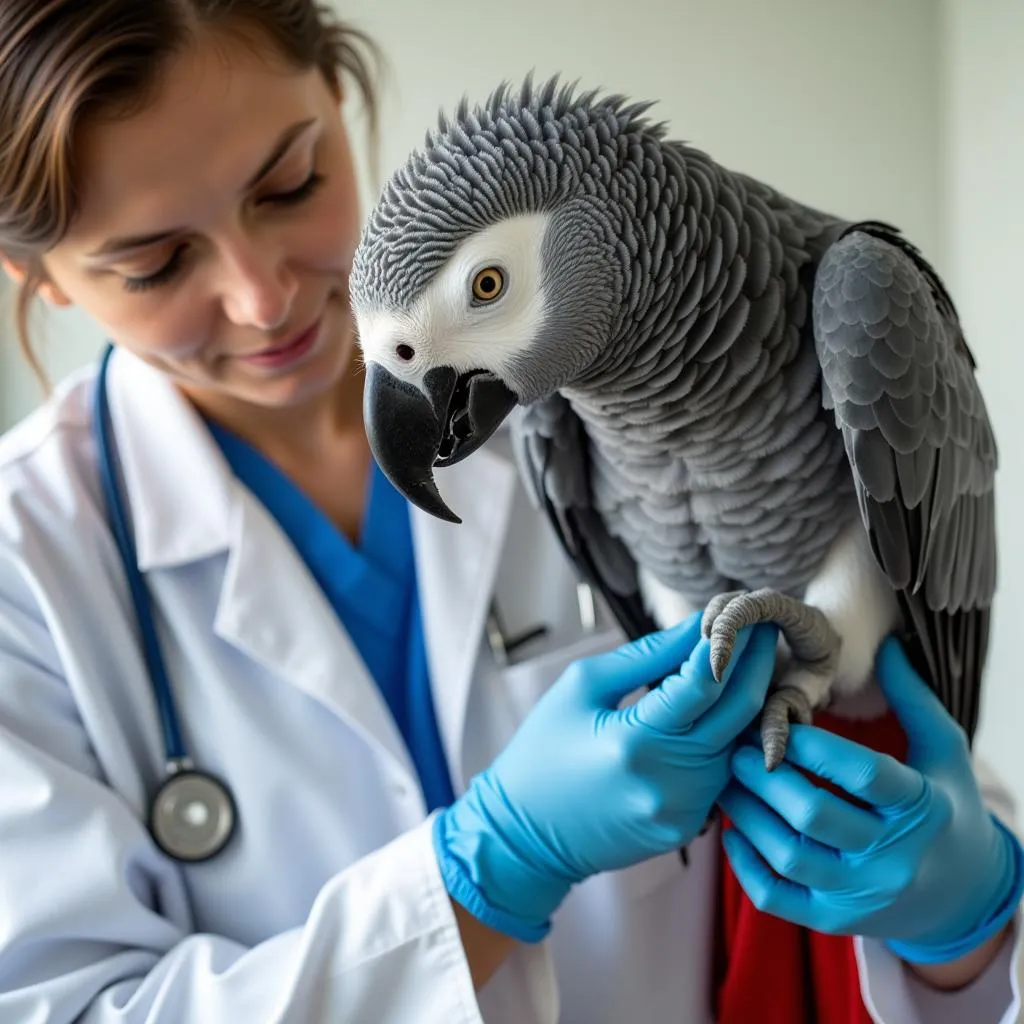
x: 179, y: 487
x: 186, y: 505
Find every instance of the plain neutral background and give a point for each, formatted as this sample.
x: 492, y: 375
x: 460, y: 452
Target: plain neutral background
x: 905, y: 110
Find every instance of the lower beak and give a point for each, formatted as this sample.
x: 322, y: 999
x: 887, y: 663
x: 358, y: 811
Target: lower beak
x: 411, y: 431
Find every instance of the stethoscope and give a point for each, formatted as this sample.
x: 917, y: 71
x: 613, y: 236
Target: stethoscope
x: 192, y: 816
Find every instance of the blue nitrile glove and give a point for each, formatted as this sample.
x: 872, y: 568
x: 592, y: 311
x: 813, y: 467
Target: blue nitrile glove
x: 925, y: 867
x: 584, y: 786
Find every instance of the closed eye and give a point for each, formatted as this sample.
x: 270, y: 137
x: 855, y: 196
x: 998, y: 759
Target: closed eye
x: 175, y: 263
x: 165, y: 273
x: 298, y: 195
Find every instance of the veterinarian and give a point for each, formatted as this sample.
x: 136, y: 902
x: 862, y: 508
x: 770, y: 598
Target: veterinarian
x: 250, y: 770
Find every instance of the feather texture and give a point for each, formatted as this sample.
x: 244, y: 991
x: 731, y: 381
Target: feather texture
x: 725, y: 379
x: 899, y: 375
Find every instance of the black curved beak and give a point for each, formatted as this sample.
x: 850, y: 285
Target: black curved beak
x: 412, y: 431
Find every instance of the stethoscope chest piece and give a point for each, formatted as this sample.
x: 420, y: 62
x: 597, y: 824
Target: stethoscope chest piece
x: 193, y: 816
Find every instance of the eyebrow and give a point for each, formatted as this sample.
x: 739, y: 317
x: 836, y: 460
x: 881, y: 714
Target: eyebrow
x: 119, y: 246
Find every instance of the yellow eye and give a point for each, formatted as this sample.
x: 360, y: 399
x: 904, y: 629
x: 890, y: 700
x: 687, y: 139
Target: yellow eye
x: 488, y: 284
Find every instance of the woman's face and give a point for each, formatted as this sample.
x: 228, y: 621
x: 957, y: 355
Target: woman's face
x: 217, y: 229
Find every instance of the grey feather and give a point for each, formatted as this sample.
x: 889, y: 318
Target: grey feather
x: 551, y: 451
x: 728, y: 379
x: 914, y: 423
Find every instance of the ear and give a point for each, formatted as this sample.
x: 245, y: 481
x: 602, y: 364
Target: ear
x: 45, y: 288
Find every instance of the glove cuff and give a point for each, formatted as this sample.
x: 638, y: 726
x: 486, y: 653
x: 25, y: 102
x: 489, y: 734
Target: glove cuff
x: 1012, y: 891
x: 461, y: 859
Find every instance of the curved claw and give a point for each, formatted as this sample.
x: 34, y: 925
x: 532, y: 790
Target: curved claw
x: 721, y: 629
x: 781, y: 707
x: 723, y: 640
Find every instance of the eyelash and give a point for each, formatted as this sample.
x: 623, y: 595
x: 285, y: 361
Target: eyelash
x: 173, y: 265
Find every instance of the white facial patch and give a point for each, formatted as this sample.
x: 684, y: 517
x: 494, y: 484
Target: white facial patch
x: 448, y: 326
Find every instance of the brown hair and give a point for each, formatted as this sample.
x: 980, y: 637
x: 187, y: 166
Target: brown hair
x: 63, y: 62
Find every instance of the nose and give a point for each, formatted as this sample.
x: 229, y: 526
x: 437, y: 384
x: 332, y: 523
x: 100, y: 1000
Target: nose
x: 259, y: 287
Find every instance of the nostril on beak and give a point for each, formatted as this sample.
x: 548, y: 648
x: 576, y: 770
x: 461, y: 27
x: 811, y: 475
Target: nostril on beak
x: 405, y: 353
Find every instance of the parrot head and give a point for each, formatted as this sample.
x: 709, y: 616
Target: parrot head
x: 490, y: 274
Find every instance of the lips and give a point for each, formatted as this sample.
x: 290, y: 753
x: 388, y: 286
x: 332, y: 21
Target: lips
x: 297, y: 340
x: 290, y: 349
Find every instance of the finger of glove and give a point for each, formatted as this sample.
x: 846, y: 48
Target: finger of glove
x: 744, y: 693
x: 877, y: 779
x: 790, y: 853
x: 605, y: 679
x: 933, y: 735
x: 682, y: 698
x: 807, y: 808
x: 767, y: 891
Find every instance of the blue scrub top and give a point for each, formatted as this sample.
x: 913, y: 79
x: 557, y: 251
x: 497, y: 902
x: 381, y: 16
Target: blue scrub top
x: 372, y: 589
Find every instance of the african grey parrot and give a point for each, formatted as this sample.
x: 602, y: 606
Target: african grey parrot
x: 727, y: 399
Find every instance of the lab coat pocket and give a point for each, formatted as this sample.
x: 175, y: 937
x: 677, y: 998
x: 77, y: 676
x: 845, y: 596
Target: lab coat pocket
x: 526, y: 682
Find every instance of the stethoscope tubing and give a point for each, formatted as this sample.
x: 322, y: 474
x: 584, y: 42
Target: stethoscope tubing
x: 174, y: 746
x: 192, y: 815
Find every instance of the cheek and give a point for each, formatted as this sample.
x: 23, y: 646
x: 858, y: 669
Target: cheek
x: 147, y: 323
x: 332, y: 231
x: 172, y: 327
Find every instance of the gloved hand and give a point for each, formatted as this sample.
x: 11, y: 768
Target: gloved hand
x: 924, y: 867
x: 584, y: 786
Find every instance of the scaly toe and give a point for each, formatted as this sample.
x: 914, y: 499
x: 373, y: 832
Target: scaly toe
x: 735, y: 610
x: 774, y: 748
x: 723, y: 640
x: 781, y: 707
x: 714, y: 608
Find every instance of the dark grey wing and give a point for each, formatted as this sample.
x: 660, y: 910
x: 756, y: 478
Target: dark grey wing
x: 551, y: 449
x: 899, y: 375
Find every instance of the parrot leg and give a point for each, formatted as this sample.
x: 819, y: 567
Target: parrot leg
x: 813, y: 644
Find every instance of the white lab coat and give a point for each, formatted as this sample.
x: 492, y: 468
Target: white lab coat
x: 328, y: 905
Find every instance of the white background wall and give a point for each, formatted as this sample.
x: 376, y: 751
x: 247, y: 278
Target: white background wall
x: 835, y: 102
x: 895, y: 110
x: 984, y: 217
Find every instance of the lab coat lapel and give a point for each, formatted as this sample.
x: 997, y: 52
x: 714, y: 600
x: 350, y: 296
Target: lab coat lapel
x: 186, y: 505
x: 456, y: 569
x: 272, y: 608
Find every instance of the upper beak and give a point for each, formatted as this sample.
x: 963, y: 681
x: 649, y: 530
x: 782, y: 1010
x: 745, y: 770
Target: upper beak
x: 411, y: 431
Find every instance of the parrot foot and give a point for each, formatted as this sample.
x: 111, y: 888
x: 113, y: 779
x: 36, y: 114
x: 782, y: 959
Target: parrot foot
x: 813, y: 645
x: 785, y: 705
